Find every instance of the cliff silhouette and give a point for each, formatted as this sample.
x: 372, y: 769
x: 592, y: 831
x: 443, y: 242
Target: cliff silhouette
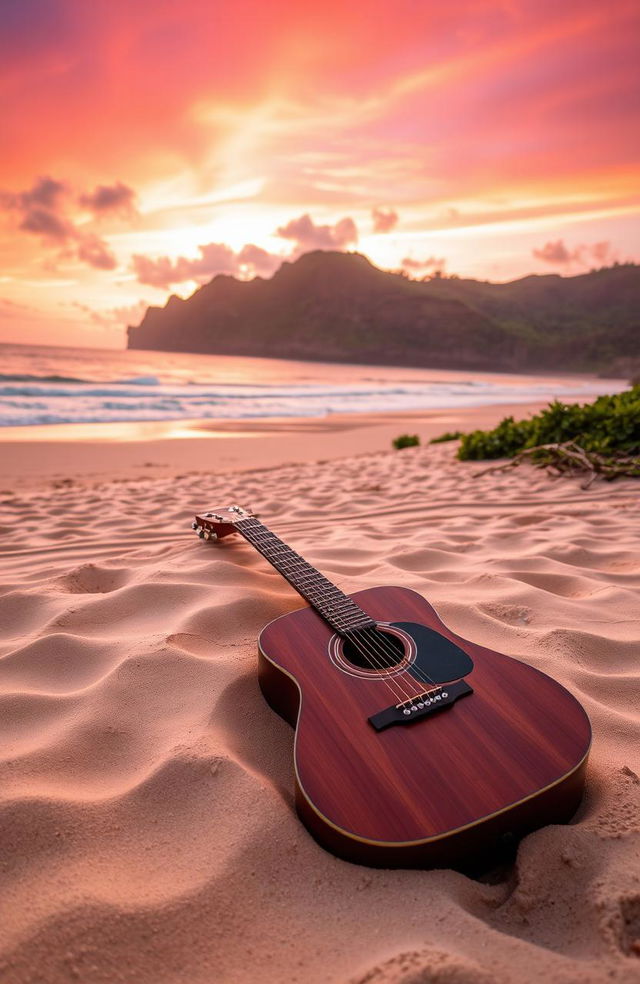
x: 338, y: 307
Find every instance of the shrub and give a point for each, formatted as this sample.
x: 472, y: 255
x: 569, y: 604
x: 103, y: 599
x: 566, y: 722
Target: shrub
x: 609, y: 426
x: 405, y: 441
x: 447, y: 436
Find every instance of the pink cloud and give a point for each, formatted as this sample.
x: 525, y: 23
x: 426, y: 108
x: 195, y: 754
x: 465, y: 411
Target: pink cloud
x: 259, y: 260
x: 384, y: 221
x: 117, y: 198
x: 558, y: 254
x: 214, y: 258
x: 42, y: 211
x: 95, y: 252
x: 308, y: 236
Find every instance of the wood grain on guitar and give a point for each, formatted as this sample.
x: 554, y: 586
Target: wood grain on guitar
x: 413, y: 746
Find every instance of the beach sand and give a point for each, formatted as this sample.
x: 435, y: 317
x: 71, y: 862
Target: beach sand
x: 148, y: 830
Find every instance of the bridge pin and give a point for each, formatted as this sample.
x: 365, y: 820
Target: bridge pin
x: 406, y: 711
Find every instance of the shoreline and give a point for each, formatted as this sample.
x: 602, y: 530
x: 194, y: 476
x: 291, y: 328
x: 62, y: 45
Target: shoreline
x: 34, y: 456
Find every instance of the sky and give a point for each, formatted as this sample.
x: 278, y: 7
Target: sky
x: 150, y: 146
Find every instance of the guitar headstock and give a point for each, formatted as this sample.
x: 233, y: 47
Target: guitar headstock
x: 213, y: 524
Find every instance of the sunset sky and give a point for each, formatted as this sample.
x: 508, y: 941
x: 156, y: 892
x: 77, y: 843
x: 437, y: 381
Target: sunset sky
x: 149, y: 146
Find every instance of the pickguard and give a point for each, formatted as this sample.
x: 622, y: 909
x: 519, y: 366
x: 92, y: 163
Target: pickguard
x: 437, y: 659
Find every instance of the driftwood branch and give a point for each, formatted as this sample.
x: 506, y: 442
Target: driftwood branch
x: 570, y: 457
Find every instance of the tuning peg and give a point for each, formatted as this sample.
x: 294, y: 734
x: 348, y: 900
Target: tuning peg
x: 210, y: 535
x: 201, y: 534
x: 194, y: 525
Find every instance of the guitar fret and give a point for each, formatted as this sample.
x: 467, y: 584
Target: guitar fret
x: 340, y: 611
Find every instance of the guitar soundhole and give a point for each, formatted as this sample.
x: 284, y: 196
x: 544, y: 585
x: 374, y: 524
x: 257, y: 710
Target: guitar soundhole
x: 371, y: 649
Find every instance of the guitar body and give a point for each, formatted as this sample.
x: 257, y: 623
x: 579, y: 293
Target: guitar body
x: 441, y: 790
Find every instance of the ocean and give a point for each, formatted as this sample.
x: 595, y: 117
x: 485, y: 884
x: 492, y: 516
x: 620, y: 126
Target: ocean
x: 50, y: 385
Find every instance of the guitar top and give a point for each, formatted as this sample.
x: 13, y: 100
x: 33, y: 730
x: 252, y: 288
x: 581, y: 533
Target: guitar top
x: 413, y: 746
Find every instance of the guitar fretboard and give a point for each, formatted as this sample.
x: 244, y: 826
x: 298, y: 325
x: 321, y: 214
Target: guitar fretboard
x: 329, y: 601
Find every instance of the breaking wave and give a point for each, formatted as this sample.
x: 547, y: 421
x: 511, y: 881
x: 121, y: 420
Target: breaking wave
x: 36, y: 401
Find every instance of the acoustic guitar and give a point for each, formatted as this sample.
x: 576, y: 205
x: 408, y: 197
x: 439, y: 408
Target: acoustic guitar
x: 413, y: 747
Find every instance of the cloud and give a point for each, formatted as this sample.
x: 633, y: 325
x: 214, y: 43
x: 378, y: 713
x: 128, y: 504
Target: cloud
x: 308, y: 236
x: 111, y: 317
x: 159, y: 273
x: 602, y: 252
x: 39, y: 208
x: 45, y: 193
x: 163, y: 272
x: 117, y: 198
x: 46, y: 223
x: 430, y: 263
x: 554, y: 253
x: 584, y: 254
x: 262, y: 262
x: 384, y: 221
x: 42, y: 211
x: 214, y: 258
x: 95, y: 252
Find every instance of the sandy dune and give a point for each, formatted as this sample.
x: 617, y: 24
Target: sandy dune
x: 148, y: 833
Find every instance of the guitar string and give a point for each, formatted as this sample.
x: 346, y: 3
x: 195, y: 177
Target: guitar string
x: 387, y: 653
x: 263, y: 533
x: 381, y: 658
x: 416, y: 670
x: 398, y: 693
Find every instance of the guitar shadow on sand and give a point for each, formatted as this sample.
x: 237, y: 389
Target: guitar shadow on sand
x: 257, y: 738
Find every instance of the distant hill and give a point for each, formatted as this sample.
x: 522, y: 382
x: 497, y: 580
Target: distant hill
x: 338, y: 307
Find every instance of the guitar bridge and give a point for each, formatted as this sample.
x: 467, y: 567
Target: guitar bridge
x: 429, y: 702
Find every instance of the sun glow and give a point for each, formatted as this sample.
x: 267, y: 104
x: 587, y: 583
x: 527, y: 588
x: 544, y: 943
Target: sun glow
x: 480, y: 133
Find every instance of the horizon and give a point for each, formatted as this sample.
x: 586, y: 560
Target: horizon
x: 491, y: 141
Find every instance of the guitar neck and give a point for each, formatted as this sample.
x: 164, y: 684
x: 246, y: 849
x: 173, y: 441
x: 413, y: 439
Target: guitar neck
x: 329, y: 601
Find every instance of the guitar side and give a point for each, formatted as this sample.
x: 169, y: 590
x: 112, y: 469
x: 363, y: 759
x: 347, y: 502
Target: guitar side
x: 441, y: 791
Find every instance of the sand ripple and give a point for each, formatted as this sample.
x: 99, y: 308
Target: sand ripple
x: 147, y: 830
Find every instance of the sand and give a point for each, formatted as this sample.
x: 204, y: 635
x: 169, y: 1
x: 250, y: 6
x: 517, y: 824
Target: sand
x: 148, y: 831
